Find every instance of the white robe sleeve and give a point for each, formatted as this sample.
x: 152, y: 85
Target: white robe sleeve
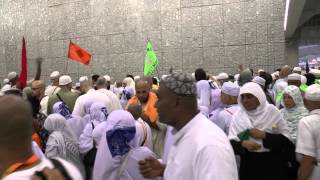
x: 86, y: 139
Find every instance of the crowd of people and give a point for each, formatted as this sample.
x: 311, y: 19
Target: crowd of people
x: 247, y: 126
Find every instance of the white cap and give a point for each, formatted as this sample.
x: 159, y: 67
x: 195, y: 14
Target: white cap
x: 136, y: 78
x: 313, y: 93
x: 107, y: 78
x: 83, y: 79
x: 54, y: 75
x: 303, y: 79
x: 163, y: 76
x: 294, y: 76
x: 236, y: 77
x: 64, y: 80
x: 276, y: 73
x: 12, y: 75
x: 259, y: 80
x: 6, y: 81
x: 315, y: 72
x: 297, y: 69
x: 273, y: 76
x: 230, y: 88
x: 260, y: 70
x: 222, y: 76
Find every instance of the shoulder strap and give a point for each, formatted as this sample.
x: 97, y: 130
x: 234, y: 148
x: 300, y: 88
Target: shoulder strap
x: 58, y: 165
x: 59, y: 97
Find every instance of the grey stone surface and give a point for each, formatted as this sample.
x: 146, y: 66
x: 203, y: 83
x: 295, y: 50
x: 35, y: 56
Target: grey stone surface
x: 214, y: 34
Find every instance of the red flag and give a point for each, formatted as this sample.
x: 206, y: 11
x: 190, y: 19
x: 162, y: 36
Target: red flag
x: 23, y: 74
x: 76, y: 53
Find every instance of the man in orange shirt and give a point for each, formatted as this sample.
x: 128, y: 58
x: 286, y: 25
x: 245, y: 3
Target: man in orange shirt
x: 147, y: 99
x: 149, y: 114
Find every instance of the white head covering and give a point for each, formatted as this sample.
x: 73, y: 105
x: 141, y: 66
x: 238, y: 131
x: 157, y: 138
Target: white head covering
x: 260, y: 70
x: 297, y: 69
x: 12, y: 75
x: 294, y: 114
x: 6, y: 81
x: 265, y: 117
x: 136, y: 78
x: 63, y: 139
x: 303, y: 79
x: 222, y: 76
x: 230, y: 89
x: 119, y: 139
x: 107, y: 77
x: 313, y: 93
x: 315, y: 72
x: 129, y: 82
x: 83, y: 79
x: 259, y: 80
x: 98, y: 113
x: 64, y: 80
x: 54, y: 75
x: 294, y: 76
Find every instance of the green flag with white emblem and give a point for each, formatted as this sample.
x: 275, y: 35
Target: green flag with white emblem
x: 151, y: 61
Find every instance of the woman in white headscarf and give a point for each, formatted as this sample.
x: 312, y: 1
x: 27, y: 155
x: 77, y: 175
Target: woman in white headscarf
x: 119, y: 151
x: 98, y: 114
x: 76, y: 123
x: 293, y: 110
x: 259, y: 135
x: 62, y: 141
x: 127, y: 92
x: 87, y: 145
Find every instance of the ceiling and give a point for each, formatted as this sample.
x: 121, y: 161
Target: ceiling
x: 300, y: 11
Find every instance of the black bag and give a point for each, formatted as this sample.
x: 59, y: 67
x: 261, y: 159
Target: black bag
x: 90, y: 157
x: 58, y: 165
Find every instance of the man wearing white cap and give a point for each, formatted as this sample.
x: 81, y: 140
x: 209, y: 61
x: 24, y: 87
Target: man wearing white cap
x: 259, y: 80
x: 222, y: 78
x: 13, y: 77
x: 65, y: 94
x: 229, y: 96
x: 294, y: 79
x: 297, y: 70
x: 54, y: 87
x: 308, y: 139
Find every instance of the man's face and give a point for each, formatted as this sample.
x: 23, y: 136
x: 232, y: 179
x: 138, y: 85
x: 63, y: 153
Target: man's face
x: 294, y: 83
x: 37, y: 90
x: 142, y: 91
x: 249, y: 101
x: 224, y: 98
x: 165, y: 105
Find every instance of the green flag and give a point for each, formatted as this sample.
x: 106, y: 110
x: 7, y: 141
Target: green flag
x: 150, y: 61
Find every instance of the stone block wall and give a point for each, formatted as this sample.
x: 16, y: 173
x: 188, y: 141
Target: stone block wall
x: 186, y: 34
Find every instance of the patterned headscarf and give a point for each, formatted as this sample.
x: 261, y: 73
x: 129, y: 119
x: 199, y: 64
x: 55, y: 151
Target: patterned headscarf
x: 181, y: 84
x: 98, y: 113
x: 121, y: 131
x: 293, y: 115
x: 62, y: 109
